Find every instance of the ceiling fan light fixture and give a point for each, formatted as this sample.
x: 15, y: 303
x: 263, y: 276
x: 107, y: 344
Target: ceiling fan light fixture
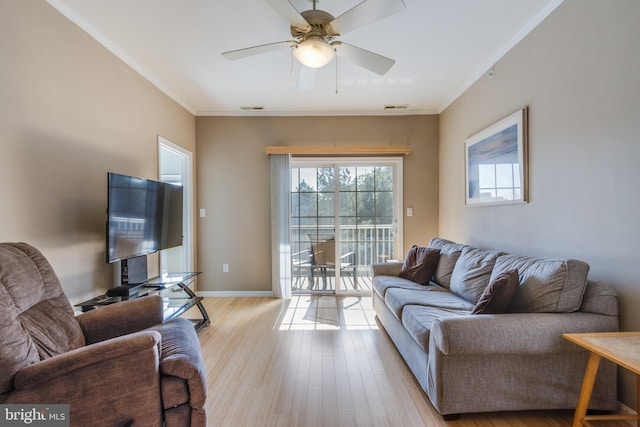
x: 314, y: 52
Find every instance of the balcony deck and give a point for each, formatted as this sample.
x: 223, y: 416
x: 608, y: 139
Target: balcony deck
x: 303, y: 283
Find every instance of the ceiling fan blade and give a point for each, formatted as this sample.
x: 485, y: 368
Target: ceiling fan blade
x: 306, y: 78
x: 366, y: 59
x: 365, y: 13
x: 255, y: 50
x: 290, y: 13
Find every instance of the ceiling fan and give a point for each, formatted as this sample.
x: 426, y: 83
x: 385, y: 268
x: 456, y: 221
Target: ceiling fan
x: 314, y: 34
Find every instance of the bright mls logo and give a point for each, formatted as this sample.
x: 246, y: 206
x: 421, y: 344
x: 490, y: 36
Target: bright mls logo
x: 34, y: 415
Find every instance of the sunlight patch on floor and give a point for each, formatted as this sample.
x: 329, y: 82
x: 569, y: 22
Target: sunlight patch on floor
x: 328, y: 312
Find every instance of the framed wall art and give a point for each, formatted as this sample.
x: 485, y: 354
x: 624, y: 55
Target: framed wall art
x: 496, y: 162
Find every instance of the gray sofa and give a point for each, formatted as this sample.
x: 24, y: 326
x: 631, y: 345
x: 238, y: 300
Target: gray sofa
x: 515, y: 360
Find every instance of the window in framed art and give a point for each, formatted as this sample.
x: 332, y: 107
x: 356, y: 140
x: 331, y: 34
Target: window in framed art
x: 496, y: 162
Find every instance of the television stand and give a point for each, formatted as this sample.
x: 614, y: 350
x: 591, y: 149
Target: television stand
x: 125, y: 290
x: 175, y: 289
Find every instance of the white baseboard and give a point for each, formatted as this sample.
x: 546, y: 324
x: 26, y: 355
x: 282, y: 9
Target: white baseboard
x: 228, y: 294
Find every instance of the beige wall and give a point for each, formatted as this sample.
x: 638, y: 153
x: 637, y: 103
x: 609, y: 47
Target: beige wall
x: 69, y: 112
x: 579, y: 74
x: 233, y: 172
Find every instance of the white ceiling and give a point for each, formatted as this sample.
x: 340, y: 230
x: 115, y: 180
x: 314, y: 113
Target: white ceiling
x: 440, y: 46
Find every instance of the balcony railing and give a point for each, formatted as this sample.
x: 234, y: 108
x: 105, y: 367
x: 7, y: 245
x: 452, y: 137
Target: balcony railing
x: 371, y: 243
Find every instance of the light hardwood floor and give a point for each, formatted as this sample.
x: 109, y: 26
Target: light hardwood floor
x: 319, y: 361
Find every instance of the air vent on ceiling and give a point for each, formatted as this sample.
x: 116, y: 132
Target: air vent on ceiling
x: 396, y: 107
x: 251, y: 108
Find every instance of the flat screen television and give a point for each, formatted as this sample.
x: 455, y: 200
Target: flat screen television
x: 143, y: 216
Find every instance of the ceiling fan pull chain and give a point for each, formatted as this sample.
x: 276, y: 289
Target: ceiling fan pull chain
x: 292, y: 55
x: 336, y: 72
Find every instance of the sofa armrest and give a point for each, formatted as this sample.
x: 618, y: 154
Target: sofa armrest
x: 514, y: 333
x: 391, y: 268
x: 181, y: 357
x: 121, y: 318
x: 79, y: 361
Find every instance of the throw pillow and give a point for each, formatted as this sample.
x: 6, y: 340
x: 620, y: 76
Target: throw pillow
x: 420, y: 264
x: 497, y: 297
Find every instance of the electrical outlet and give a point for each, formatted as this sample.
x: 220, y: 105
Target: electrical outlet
x: 225, y: 268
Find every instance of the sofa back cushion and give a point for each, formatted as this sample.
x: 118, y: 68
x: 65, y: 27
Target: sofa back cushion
x: 472, y: 272
x: 36, y: 317
x: 449, y: 254
x: 546, y: 286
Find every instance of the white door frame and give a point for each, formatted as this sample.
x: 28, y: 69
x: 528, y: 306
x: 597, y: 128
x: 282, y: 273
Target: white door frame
x: 186, y: 178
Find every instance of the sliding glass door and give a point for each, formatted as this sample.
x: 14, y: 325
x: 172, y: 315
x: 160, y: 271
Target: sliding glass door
x: 345, y: 215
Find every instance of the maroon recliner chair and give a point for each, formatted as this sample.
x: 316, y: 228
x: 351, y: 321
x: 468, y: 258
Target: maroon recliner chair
x: 116, y: 365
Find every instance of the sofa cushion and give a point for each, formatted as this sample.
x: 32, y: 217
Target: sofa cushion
x: 418, y: 319
x: 449, y: 254
x: 546, y: 286
x: 420, y: 264
x: 382, y: 283
x: 53, y: 327
x: 396, y: 299
x: 17, y: 350
x: 497, y: 297
x: 471, y: 273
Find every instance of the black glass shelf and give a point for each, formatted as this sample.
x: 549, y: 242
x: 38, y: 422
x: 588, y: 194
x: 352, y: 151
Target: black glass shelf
x: 174, y: 288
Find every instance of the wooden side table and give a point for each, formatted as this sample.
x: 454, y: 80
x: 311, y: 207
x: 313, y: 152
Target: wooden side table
x: 623, y: 349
